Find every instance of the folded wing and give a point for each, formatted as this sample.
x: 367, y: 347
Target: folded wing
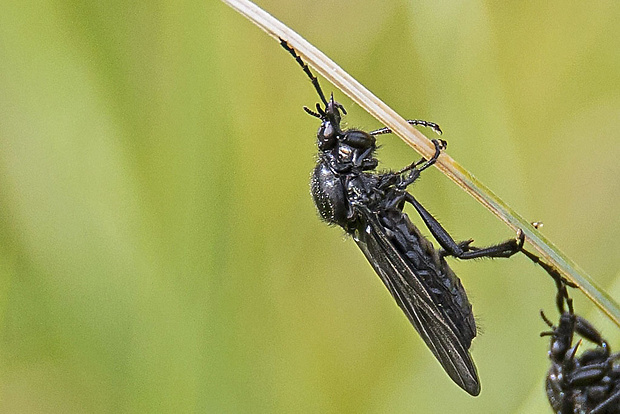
x: 403, y: 279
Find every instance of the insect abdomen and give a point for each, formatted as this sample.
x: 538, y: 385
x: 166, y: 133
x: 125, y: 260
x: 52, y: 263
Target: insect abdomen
x: 438, y: 277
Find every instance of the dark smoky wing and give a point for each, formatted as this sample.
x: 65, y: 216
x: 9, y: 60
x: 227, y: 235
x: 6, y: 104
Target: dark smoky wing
x: 408, y: 290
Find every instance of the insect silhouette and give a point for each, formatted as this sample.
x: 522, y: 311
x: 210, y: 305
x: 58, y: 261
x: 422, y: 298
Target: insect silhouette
x: 584, y: 384
x: 368, y: 205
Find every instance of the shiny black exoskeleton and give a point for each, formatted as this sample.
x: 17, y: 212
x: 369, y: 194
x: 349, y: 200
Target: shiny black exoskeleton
x: 369, y: 206
x: 584, y: 384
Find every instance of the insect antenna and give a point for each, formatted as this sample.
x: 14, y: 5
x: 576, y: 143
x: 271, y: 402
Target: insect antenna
x: 307, y: 71
x: 548, y: 322
x: 311, y: 112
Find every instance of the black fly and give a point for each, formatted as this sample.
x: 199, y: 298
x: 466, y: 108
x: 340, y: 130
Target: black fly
x: 369, y: 206
x: 584, y: 384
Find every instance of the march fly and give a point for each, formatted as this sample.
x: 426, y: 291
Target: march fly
x: 368, y: 205
x: 588, y: 383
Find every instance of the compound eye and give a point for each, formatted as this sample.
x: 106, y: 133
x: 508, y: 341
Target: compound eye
x: 558, y: 349
x: 328, y: 130
x: 326, y: 136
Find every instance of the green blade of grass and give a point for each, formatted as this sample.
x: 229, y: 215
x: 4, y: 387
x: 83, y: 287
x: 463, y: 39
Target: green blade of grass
x: 388, y: 117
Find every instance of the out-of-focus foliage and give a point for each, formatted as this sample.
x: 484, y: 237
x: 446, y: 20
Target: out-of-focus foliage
x: 159, y: 250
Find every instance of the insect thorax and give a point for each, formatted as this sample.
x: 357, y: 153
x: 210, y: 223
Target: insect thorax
x: 329, y: 194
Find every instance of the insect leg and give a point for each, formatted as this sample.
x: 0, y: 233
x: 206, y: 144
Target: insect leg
x: 560, y: 281
x: 589, y: 374
x: 582, y: 326
x: 431, y: 125
x: 307, y: 71
x: 611, y: 402
x: 551, y: 270
x: 463, y: 250
x: 440, y: 145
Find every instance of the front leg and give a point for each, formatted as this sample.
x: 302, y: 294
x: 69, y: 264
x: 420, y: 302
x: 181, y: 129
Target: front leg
x: 395, y: 178
x: 364, y: 160
x: 414, y: 173
x: 387, y: 130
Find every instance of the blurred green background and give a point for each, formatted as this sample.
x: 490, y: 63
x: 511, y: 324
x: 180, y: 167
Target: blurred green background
x: 159, y: 249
